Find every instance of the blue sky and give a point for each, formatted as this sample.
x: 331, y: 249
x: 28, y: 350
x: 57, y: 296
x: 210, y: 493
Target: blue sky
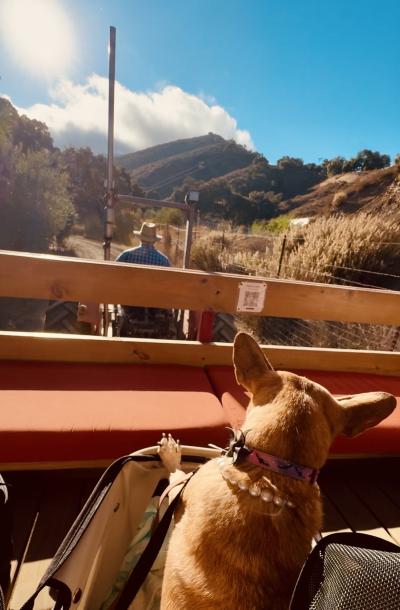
x: 309, y: 78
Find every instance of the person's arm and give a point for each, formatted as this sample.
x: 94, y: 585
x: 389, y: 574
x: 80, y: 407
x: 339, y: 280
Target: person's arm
x: 164, y: 260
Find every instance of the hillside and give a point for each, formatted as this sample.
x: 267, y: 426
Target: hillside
x: 162, y: 168
x: 368, y: 191
x: 288, y: 179
x: 132, y: 161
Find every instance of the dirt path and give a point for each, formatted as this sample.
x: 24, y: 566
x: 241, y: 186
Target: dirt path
x: 92, y: 249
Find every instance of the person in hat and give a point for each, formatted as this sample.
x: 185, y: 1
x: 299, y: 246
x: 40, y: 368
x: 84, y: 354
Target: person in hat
x: 146, y: 253
x: 145, y: 321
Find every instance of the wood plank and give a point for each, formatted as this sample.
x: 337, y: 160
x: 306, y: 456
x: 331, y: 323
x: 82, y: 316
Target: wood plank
x: 77, y: 348
x: 25, y: 494
x: 386, y: 512
x: 70, y: 279
x: 59, y: 496
x: 60, y: 504
x: 388, y: 479
x: 333, y: 520
x: 358, y: 516
x: 392, y: 491
x: 28, y: 580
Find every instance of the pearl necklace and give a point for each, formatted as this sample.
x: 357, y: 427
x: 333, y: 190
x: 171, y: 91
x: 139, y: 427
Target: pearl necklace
x: 262, y: 489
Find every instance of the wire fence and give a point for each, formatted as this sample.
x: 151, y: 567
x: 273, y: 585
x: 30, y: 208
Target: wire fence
x: 248, y: 254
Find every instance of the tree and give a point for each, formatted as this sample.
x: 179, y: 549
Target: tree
x: 368, y: 159
x: 335, y: 166
x: 27, y: 134
x: 259, y: 158
x: 285, y: 162
x: 32, y: 135
x: 86, y: 177
x: 37, y: 206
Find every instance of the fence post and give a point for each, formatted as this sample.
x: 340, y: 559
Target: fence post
x: 281, y: 256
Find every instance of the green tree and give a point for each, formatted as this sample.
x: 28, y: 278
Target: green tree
x: 36, y: 206
x: 286, y: 161
x: 86, y: 176
x: 27, y: 134
x: 335, y: 166
x: 32, y: 135
x: 368, y: 159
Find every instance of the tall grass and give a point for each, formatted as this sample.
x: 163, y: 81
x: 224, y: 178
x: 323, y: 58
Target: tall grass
x: 338, y: 250
x: 335, y: 249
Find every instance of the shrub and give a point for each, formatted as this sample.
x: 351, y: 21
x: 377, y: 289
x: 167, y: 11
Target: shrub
x: 339, y: 199
x: 259, y: 227
x: 279, y: 224
x: 275, y: 225
x: 169, y: 216
x: 205, y: 256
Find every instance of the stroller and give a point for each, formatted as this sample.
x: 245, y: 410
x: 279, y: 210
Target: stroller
x: 110, y: 559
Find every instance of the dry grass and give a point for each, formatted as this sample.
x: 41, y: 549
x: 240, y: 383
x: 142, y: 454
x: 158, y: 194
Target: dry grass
x: 206, y: 257
x: 336, y: 250
x: 339, y: 199
x: 335, y: 247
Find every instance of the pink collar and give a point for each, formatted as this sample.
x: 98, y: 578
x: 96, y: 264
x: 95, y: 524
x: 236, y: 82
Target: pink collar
x: 281, y: 466
x: 240, y: 452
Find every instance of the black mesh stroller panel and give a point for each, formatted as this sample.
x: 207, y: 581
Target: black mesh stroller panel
x: 358, y: 579
x: 350, y: 572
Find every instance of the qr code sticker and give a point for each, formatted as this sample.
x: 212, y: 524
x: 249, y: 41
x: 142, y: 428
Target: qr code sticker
x: 251, y: 297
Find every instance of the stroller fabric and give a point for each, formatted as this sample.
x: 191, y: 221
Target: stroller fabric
x: 350, y: 572
x: 109, y: 542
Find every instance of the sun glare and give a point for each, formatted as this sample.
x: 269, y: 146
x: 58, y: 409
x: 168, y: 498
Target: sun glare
x: 38, y: 35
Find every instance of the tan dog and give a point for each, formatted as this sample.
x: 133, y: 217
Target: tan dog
x: 242, y: 531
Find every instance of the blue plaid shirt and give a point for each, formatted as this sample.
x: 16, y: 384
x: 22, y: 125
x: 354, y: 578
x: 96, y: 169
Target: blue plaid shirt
x: 144, y: 255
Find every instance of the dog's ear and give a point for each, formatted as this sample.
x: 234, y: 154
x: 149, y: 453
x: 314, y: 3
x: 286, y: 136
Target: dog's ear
x: 363, y: 411
x: 249, y: 361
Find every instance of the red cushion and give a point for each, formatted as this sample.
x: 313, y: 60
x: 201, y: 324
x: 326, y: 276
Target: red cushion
x: 69, y: 411
x: 382, y: 439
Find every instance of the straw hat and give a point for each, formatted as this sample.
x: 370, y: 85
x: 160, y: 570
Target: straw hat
x: 148, y: 233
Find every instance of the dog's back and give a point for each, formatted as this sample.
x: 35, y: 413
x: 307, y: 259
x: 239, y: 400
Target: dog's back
x: 243, y: 532
x: 229, y: 550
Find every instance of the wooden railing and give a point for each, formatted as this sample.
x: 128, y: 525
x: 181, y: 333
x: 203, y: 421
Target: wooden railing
x: 70, y: 279
x: 59, y: 278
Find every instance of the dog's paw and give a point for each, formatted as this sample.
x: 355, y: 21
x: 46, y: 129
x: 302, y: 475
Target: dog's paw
x: 169, y: 452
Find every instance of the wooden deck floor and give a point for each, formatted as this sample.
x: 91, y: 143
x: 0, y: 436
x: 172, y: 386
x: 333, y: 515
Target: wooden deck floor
x: 362, y: 496
x: 359, y: 495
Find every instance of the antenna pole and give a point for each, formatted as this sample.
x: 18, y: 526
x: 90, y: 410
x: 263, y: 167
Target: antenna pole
x: 109, y: 221
x: 110, y: 195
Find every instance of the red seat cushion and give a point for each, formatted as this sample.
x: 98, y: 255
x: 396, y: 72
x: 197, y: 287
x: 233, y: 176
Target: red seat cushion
x: 382, y: 439
x: 69, y: 411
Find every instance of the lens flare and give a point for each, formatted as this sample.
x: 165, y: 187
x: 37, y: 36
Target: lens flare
x: 38, y: 36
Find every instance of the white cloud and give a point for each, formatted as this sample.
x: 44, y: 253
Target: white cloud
x: 77, y: 116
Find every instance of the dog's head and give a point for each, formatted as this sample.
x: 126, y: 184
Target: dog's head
x: 295, y: 417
